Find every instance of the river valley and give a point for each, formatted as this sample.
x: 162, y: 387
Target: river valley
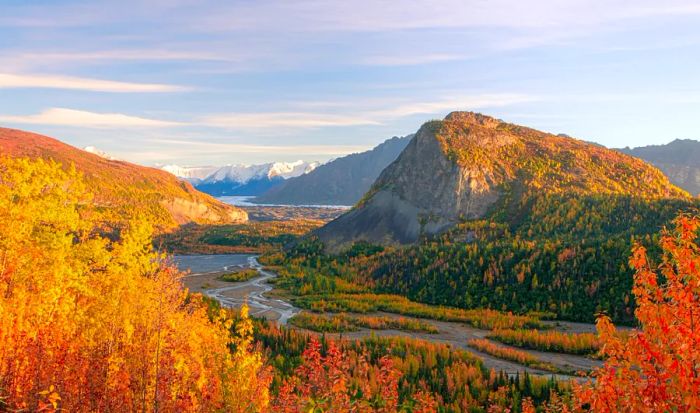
x: 203, y: 276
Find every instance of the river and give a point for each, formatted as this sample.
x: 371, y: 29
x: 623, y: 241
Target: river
x: 203, y: 277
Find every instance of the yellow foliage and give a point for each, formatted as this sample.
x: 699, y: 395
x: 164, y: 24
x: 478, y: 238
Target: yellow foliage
x: 92, y: 319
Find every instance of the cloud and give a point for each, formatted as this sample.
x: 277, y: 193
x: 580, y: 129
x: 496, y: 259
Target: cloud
x: 70, y: 117
x: 374, y: 16
x: 408, y: 60
x: 279, y: 121
x: 217, y: 148
x: 267, y: 120
x: 473, y: 102
x: 14, y: 81
x: 20, y: 60
x: 339, y: 15
x: 385, y: 111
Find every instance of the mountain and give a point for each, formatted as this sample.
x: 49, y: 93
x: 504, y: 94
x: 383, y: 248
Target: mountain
x: 124, y: 186
x: 470, y: 166
x: 102, y: 154
x: 342, y: 181
x: 192, y: 174
x: 679, y: 160
x: 241, y: 179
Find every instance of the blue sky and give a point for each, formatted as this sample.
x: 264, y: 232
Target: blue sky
x: 217, y: 82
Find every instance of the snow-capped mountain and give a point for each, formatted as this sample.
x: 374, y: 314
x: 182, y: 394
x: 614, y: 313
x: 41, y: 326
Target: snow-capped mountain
x: 193, y: 174
x: 102, y: 154
x: 241, y: 179
x: 245, y: 173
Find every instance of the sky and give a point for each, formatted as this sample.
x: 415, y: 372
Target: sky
x: 210, y: 82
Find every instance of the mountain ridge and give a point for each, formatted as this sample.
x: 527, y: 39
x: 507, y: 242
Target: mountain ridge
x: 678, y: 159
x: 241, y: 179
x: 126, y: 186
x: 342, y: 181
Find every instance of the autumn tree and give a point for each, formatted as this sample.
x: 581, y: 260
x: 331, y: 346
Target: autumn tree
x: 335, y: 382
x: 656, y: 368
x: 92, y: 319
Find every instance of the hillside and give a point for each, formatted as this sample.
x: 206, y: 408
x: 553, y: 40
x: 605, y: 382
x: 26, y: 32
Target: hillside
x: 342, y: 181
x: 679, y: 160
x: 126, y: 187
x: 471, y: 166
x: 490, y: 214
x: 191, y: 174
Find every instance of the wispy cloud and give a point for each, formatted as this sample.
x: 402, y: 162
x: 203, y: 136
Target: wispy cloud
x: 282, y: 120
x: 374, y: 16
x: 79, y: 118
x: 469, y: 103
x: 37, y: 60
x: 356, y: 113
x: 14, y: 81
x: 279, y: 121
x: 217, y: 148
x: 409, y: 60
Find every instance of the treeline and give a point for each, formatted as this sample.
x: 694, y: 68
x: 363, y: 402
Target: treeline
x: 518, y: 356
x: 251, y: 237
x: 340, y: 323
x: 549, y: 340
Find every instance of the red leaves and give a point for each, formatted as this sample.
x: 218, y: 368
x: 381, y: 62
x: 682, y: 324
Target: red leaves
x: 658, y: 368
x: 334, y: 383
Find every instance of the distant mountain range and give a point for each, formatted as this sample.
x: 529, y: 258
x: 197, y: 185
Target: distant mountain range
x: 342, y: 181
x: 250, y: 180
x: 679, y: 160
x: 345, y: 180
x: 191, y: 174
x: 125, y: 187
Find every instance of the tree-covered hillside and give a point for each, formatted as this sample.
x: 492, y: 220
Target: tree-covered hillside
x: 506, y: 217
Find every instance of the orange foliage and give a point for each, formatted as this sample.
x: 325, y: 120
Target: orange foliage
x: 511, y: 354
x: 323, y: 384
x: 550, y: 340
x: 91, y: 319
x: 656, y: 369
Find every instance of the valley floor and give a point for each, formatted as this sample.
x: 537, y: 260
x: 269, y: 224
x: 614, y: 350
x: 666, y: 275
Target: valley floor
x: 205, y: 271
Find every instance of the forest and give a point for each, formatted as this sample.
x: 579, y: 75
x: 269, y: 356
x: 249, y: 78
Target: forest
x: 565, y: 254
x: 92, y: 318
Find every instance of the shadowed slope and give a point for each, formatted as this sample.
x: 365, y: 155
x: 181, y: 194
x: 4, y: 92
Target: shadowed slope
x: 342, y: 181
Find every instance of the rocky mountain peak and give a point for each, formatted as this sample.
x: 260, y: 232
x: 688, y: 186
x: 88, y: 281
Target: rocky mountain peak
x: 471, y: 166
x: 473, y: 118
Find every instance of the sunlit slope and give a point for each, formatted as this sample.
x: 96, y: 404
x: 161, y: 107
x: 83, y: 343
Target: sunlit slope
x: 125, y: 187
x: 471, y: 166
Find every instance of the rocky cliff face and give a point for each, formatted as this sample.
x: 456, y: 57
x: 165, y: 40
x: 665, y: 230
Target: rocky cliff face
x: 685, y: 176
x: 470, y: 166
x: 130, y: 188
x: 679, y: 160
